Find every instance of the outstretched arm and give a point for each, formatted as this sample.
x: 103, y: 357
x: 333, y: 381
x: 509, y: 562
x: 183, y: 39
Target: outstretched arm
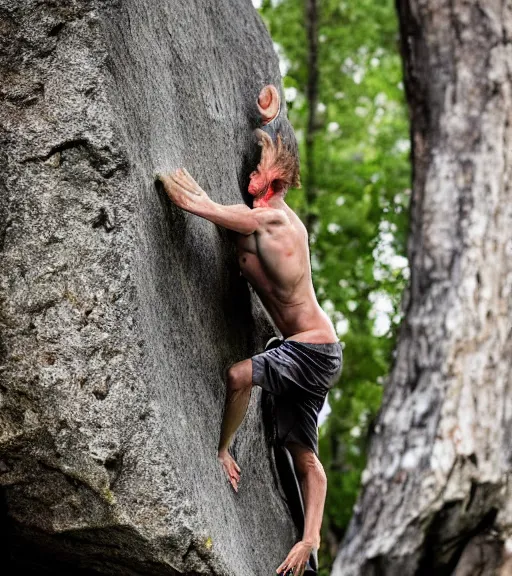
x: 186, y: 193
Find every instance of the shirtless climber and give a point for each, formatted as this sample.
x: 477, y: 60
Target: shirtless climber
x: 273, y: 253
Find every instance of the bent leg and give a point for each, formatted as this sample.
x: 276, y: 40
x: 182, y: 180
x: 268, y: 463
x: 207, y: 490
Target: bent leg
x: 313, y: 483
x: 238, y: 394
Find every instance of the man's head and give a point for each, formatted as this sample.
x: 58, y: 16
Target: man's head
x: 278, y: 168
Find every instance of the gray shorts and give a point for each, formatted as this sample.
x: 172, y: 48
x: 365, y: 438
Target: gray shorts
x: 298, y: 375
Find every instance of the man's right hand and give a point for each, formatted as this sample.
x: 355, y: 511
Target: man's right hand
x: 184, y: 191
x: 297, y: 559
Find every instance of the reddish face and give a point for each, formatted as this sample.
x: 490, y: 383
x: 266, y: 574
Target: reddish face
x: 261, y: 189
x: 265, y: 182
x: 256, y: 183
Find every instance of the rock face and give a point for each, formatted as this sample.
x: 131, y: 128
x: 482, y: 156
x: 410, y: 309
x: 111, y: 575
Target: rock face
x: 119, y: 313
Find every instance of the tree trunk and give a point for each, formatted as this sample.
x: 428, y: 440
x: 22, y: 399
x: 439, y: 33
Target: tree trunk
x: 120, y: 313
x: 436, y: 496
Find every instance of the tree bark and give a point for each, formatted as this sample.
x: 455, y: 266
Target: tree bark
x: 436, y: 491
x: 119, y: 313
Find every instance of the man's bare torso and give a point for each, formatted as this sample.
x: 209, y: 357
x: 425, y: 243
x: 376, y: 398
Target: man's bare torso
x: 273, y: 253
x: 275, y: 261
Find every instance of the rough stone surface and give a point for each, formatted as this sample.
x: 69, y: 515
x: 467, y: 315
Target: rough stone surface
x: 436, y: 494
x: 118, y: 313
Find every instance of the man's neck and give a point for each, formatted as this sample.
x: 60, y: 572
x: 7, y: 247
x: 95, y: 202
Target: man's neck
x: 275, y: 201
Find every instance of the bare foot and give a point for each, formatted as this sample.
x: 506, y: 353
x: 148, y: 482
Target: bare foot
x: 231, y: 468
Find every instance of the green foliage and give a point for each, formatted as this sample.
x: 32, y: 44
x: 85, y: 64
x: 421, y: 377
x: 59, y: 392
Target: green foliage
x: 358, y: 241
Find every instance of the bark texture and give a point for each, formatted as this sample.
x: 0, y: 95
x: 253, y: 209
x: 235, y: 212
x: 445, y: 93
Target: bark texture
x: 119, y: 313
x: 436, y: 492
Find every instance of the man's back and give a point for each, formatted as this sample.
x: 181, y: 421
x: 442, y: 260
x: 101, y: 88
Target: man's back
x: 275, y: 260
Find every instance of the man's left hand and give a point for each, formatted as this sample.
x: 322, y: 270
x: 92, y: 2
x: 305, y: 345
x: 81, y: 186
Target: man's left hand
x: 297, y: 559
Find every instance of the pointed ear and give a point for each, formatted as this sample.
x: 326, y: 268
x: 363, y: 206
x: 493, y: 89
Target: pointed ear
x: 269, y: 103
x: 268, y: 152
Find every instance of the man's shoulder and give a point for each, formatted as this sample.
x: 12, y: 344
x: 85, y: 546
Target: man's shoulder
x: 296, y: 221
x: 267, y: 214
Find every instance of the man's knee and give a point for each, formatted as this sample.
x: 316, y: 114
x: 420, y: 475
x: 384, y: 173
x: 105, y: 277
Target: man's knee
x: 239, y: 376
